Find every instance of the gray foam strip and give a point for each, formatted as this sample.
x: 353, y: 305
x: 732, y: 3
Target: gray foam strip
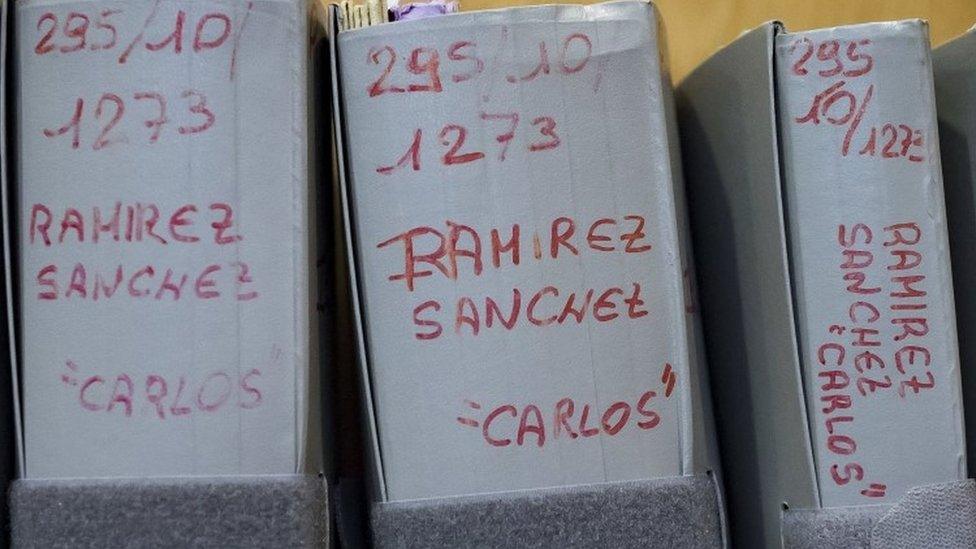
x: 275, y: 511
x: 846, y: 528
x: 672, y: 512
x: 936, y: 515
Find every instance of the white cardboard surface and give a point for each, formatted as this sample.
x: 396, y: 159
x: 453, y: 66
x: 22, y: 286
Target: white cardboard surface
x: 241, y: 358
x: 433, y: 396
x: 874, y: 447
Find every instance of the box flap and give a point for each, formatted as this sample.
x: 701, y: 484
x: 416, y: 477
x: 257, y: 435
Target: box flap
x: 7, y: 79
x: 727, y: 117
x: 376, y: 479
x: 955, y: 90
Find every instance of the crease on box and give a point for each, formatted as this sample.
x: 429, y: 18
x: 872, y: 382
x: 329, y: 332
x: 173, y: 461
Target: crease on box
x: 691, y: 425
x: 704, y: 455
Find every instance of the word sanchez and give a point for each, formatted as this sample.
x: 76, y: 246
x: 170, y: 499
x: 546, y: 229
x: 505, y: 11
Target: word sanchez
x: 140, y: 224
x: 428, y: 251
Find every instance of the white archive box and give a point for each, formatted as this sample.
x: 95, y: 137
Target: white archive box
x: 161, y: 198
x: 520, y: 259
x: 816, y: 196
x: 521, y: 279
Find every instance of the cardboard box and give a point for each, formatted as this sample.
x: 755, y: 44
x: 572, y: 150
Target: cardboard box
x: 161, y: 213
x: 825, y: 278
x: 955, y: 91
x: 514, y: 203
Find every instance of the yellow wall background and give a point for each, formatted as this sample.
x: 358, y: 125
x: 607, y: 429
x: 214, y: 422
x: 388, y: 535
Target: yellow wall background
x: 697, y: 28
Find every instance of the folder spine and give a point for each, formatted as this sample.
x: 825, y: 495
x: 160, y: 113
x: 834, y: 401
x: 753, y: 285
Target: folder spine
x: 869, y: 259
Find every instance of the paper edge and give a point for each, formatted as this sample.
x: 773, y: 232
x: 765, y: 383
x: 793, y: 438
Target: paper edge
x: 5, y: 190
x: 374, y: 465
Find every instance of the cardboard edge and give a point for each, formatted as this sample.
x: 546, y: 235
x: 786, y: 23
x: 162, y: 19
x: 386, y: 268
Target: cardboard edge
x: 302, y: 278
x: 5, y: 201
x: 501, y: 15
x: 700, y: 454
x: 826, y: 31
x: 377, y: 480
x: 311, y: 457
x: 688, y: 422
x: 716, y: 55
x: 780, y: 29
x: 950, y: 287
x: 729, y: 186
x: 955, y: 44
x: 954, y: 79
x: 719, y: 487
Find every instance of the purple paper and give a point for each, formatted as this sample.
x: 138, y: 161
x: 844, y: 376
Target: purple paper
x: 410, y: 11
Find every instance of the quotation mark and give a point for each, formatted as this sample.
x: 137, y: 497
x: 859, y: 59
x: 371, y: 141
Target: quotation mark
x: 68, y: 379
x: 466, y: 421
x: 668, y: 378
x: 875, y: 491
x: 276, y: 355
